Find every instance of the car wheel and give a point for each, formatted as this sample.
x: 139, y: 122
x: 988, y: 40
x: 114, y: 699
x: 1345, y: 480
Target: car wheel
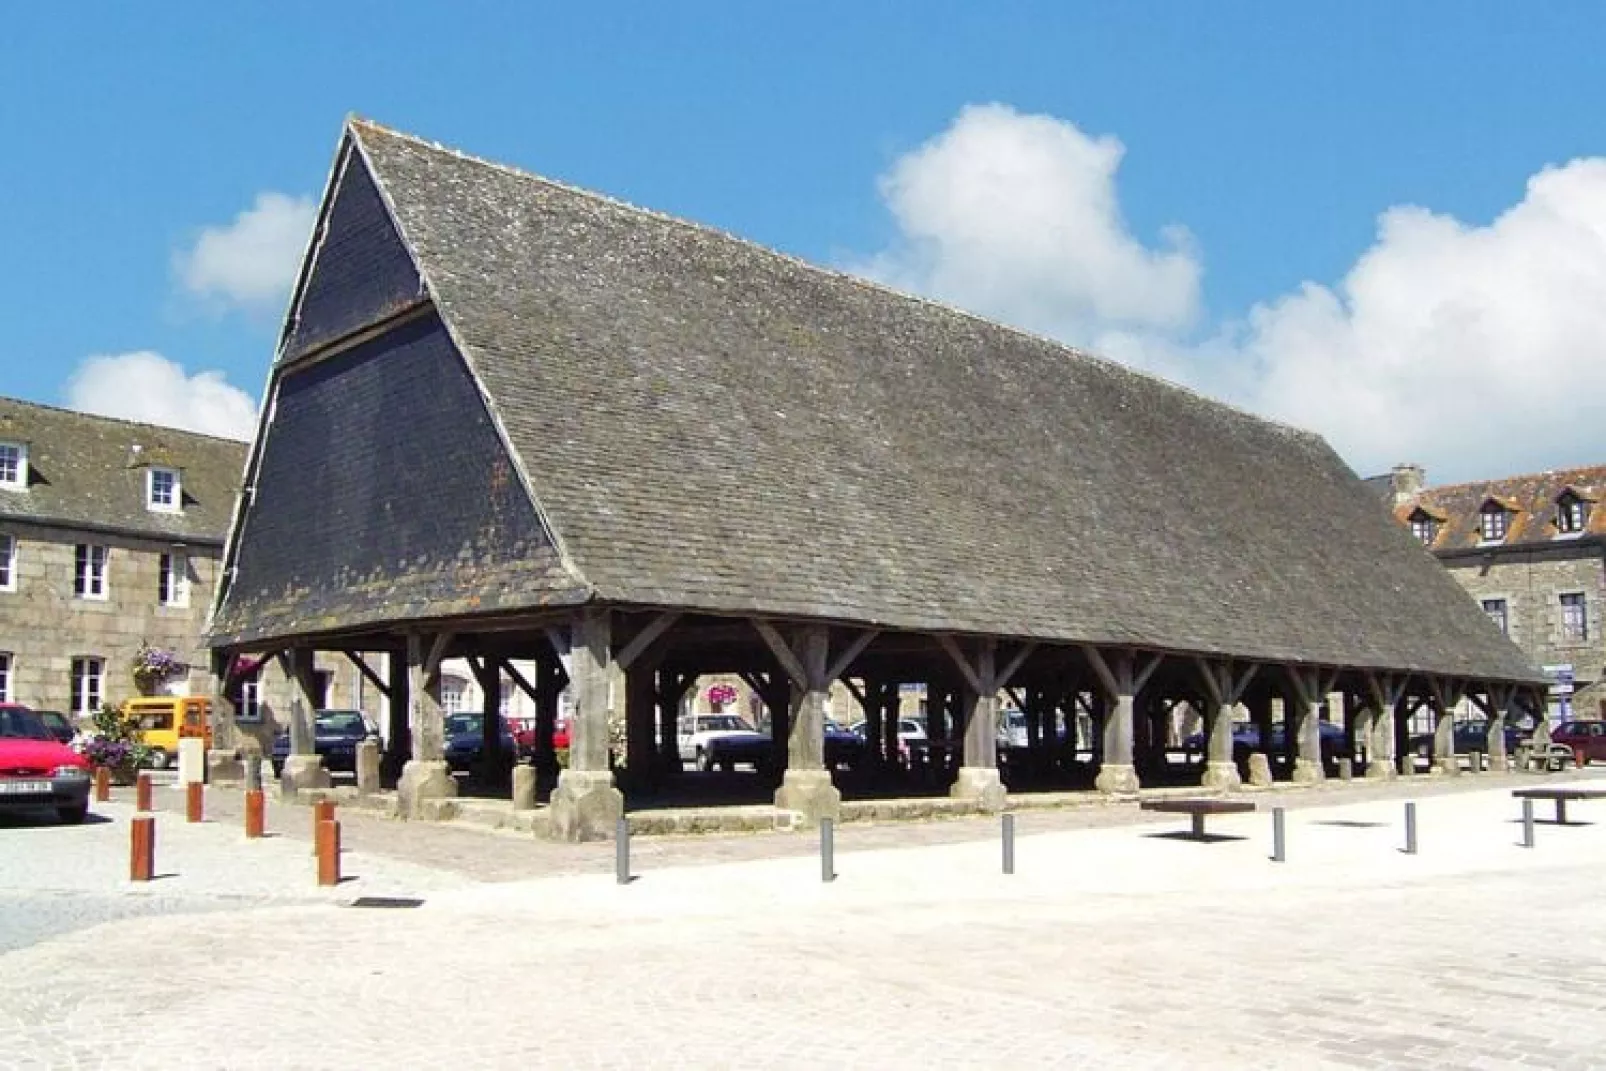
x: 73, y: 814
x: 158, y: 759
x: 705, y: 760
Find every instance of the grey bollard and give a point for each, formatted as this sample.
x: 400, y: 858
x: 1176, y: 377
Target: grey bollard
x: 1410, y: 829
x: 1279, y: 837
x: 1009, y: 844
x: 827, y: 850
x: 253, y: 772
x: 1527, y: 823
x: 621, y: 852
x: 524, y: 787
x: 368, y: 767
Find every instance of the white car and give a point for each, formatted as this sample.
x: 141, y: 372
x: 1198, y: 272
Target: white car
x: 722, y: 740
x: 909, y: 731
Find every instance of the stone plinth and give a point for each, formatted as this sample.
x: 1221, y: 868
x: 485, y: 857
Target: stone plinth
x: 302, y: 772
x: 1308, y: 772
x: 810, y: 796
x: 1222, y: 775
x: 981, y: 784
x: 423, y: 780
x: 368, y: 767
x: 1117, y: 780
x: 1260, y: 770
x: 524, y: 787
x: 585, y: 806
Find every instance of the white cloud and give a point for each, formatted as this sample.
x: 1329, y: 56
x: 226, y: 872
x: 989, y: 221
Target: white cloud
x: 1016, y: 216
x: 1476, y: 350
x: 250, y: 263
x: 148, y: 387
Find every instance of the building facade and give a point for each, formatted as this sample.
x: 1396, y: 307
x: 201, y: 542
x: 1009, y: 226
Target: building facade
x: 111, y: 534
x: 1531, y: 550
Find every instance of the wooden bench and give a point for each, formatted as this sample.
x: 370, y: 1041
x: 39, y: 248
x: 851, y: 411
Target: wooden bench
x: 1561, y: 796
x: 1197, y: 809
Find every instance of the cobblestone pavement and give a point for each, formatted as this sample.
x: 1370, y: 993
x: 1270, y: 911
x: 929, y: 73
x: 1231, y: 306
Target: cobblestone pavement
x: 1112, y: 946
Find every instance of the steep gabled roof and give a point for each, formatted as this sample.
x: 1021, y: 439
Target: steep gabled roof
x: 703, y: 423
x: 1531, y: 498
x: 90, y: 472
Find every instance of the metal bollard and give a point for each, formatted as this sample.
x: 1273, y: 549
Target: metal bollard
x: 142, y: 848
x: 1410, y: 829
x: 103, y: 784
x: 1527, y: 823
x: 194, y: 801
x: 1279, y: 838
x: 827, y: 850
x: 1009, y: 844
x: 254, y: 807
x: 142, y: 792
x: 621, y: 852
x: 328, y: 848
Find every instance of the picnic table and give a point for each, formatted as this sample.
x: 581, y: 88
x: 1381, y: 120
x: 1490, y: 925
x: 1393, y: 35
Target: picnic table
x: 1197, y: 810
x: 1561, y: 797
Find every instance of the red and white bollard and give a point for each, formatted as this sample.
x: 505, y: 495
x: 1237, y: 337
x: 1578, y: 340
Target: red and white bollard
x: 328, y: 847
x: 255, y: 805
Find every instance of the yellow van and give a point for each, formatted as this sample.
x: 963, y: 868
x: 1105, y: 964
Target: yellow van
x: 164, y: 719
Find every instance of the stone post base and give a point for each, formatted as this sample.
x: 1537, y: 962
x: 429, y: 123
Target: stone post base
x: 423, y: 780
x: 1380, y: 770
x: 1222, y: 775
x: 224, y: 767
x: 1447, y: 766
x: 1308, y: 772
x: 1117, y: 780
x: 524, y: 787
x: 300, y: 772
x: 982, y: 784
x: 1260, y: 770
x: 585, y: 806
x: 810, y: 795
x: 367, y: 768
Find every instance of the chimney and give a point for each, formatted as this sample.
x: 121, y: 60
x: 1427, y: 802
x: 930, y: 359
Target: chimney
x: 1406, y: 481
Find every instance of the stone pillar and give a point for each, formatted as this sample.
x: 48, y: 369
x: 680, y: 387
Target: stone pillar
x: 223, y: 764
x: 1305, y: 728
x: 1499, y: 761
x: 1116, y: 772
x: 640, y: 716
x: 806, y: 788
x: 1220, y: 771
x: 426, y: 776
x: 1444, y: 757
x: 1380, y: 752
x: 586, y: 805
x: 303, y: 767
x: 978, y: 777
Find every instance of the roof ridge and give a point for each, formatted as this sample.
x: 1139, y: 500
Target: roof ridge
x: 69, y: 411
x: 1496, y: 481
x: 356, y: 122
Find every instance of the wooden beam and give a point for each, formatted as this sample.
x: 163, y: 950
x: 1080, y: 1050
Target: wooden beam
x: 367, y: 671
x: 1241, y: 685
x: 559, y: 640
x: 782, y: 652
x: 518, y: 678
x: 437, y: 652
x: 1213, y: 684
x: 857, y: 692
x: 855, y: 649
x: 1145, y: 673
x: 1016, y: 698
x: 966, y: 670
x: 1013, y: 665
x: 654, y: 628
x: 1101, y: 669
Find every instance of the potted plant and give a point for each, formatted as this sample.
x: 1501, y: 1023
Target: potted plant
x: 114, y: 744
x: 153, y: 667
x: 720, y: 696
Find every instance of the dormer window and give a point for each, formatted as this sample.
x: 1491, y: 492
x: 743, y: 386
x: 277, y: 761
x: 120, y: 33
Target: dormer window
x: 1424, y: 527
x: 1572, y: 513
x: 13, y: 467
x: 1493, y: 523
x: 162, y: 490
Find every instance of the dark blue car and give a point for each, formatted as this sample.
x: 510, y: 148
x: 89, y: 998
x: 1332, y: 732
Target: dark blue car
x: 465, y: 740
x: 336, y: 734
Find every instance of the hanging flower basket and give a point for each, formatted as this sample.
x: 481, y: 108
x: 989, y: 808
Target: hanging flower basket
x: 721, y: 696
x: 152, y: 667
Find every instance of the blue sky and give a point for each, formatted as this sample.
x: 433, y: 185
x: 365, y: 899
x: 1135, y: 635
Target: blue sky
x: 1210, y: 178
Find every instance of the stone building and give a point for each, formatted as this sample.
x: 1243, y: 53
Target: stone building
x: 1531, y: 550
x: 488, y: 436
x: 110, y: 537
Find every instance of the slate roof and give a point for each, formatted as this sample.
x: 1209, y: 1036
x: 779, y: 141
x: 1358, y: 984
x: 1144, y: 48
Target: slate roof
x: 1531, y: 499
x: 708, y: 424
x: 85, y: 473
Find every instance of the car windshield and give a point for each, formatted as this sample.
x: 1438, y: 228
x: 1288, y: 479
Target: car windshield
x: 19, y: 724
x: 724, y: 723
x: 463, y: 723
x: 342, y: 721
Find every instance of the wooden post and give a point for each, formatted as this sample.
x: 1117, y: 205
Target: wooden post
x: 142, y: 792
x: 103, y: 784
x: 328, y: 848
x: 194, y: 801
x: 254, y: 807
x: 142, y: 848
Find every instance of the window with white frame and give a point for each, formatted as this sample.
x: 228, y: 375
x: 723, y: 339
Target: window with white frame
x: 1574, y: 617
x: 248, y: 701
x: 1493, y: 524
x: 8, y: 563
x: 173, y: 587
x: 89, y: 571
x: 453, y: 691
x: 88, y: 684
x: 1496, y: 609
x: 13, y: 466
x: 162, y: 490
x: 1571, y: 514
x: 5, y: 676
x: 1424, y: 527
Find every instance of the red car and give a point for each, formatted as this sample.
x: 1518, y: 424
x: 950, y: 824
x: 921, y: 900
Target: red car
x: 36, y: 772
x: 1586, y: 738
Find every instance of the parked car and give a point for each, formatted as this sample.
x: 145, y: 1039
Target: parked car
x: 465, y: 739
x: 1246, y: 739
x: 1586, y: 738
x: 335, y: 736
x: 911, y: 734
x: 842, y: 747
x: 38, y: 772
x: 60, y: 726
x: 721, y: 741
x: 1470, y: 735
